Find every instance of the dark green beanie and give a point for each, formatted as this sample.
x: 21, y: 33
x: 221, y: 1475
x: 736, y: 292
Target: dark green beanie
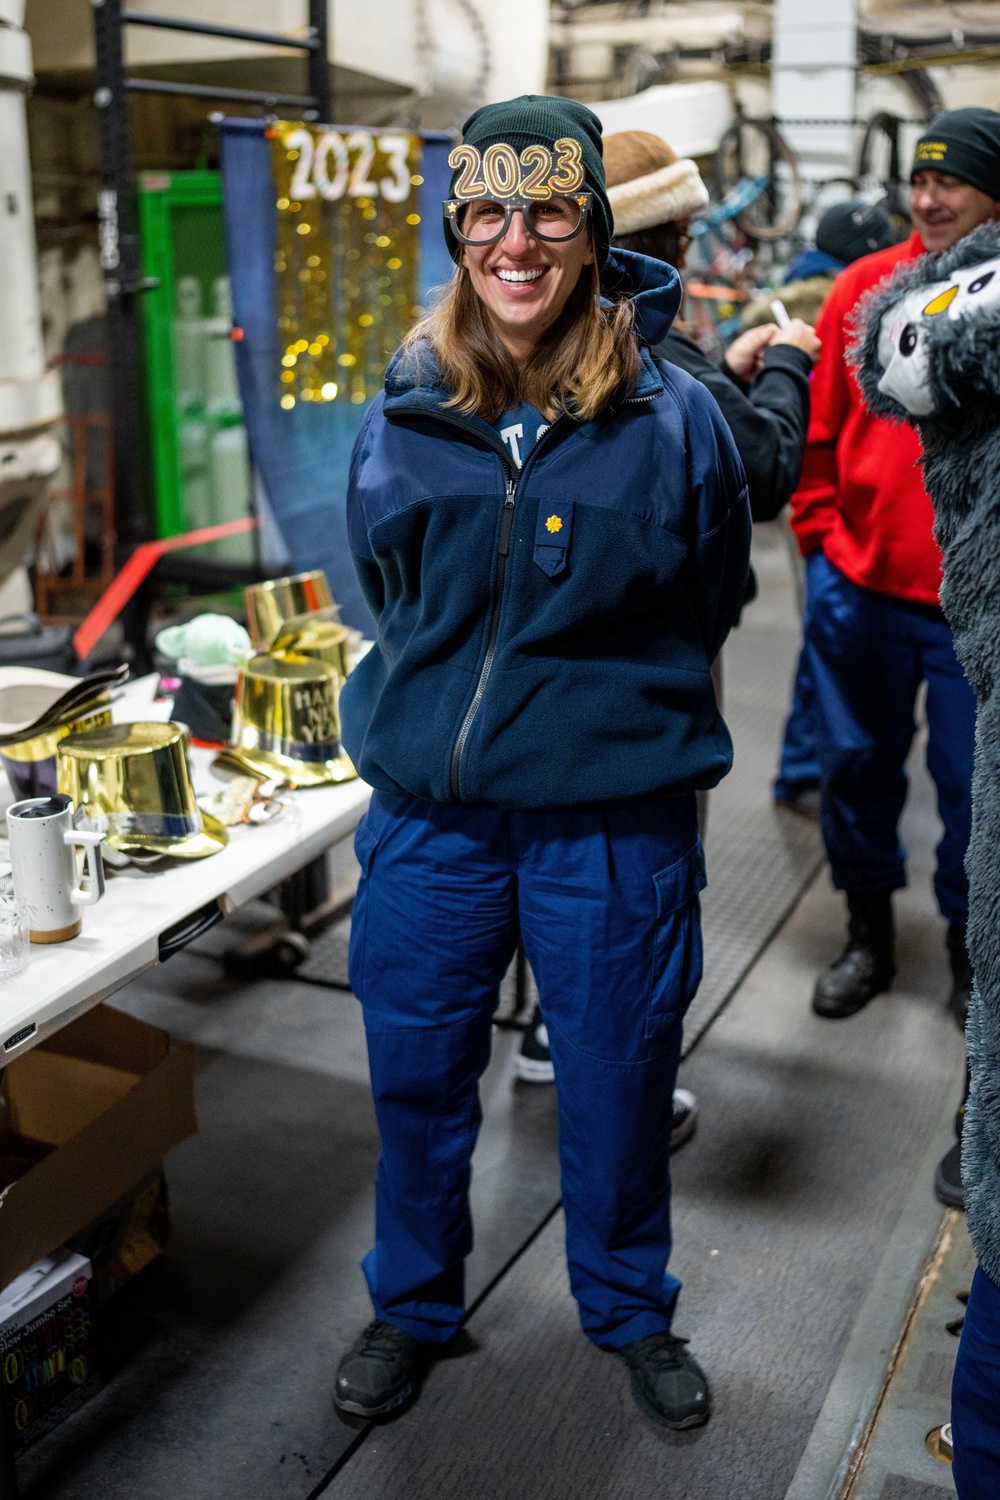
x: 965, y: 143
x: 544, y: 118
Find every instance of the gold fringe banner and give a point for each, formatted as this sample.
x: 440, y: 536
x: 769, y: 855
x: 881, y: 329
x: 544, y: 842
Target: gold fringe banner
x: 346, y: 256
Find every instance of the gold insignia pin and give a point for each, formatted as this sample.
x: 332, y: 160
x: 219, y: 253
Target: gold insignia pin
x: 554, y: 523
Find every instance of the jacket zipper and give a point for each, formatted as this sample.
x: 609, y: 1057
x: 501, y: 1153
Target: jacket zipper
x: 503, y: 548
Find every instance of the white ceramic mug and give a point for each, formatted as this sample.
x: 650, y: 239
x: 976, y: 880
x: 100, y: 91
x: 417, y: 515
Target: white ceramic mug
x: 43, y: 860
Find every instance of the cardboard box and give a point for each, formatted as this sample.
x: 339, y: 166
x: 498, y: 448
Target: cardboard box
x: 48, y: 1349
x: 83, y: 1118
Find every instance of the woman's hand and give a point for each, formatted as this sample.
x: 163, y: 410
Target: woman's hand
x: 745, y: 354
x: 802, y: 336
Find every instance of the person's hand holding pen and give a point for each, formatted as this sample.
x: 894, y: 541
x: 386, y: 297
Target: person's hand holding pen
x: 794, y: 331
x: 745, y: 355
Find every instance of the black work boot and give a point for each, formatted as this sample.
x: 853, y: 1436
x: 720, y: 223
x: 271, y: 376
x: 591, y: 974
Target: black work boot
x: 866, y: 966
x: 948, y: 1176
x: 667, y: 1382
x: 961, y: 974
x: 380, y: 1371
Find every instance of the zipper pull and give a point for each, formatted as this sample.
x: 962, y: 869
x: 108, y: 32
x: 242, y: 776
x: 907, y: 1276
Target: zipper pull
x: 508, y: 521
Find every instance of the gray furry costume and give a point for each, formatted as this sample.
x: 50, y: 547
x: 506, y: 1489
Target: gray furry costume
x: 928, y: 353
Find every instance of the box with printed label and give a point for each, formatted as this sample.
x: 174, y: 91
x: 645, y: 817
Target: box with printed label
x: 48, y: 1348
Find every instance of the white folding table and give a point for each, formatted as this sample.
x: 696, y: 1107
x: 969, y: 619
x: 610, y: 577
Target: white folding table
x: 146, y: 917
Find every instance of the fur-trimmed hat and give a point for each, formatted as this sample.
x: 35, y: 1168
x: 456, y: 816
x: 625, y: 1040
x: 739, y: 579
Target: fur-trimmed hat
x: 647, y: 183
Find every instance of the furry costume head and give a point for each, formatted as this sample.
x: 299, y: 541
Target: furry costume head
x: 928, y: 343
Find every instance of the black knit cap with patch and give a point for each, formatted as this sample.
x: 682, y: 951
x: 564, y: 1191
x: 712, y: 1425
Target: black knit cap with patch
x: 965, y: 143
x: 545, y: 119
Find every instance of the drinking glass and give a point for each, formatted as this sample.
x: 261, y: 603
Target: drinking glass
x: 13, y: 935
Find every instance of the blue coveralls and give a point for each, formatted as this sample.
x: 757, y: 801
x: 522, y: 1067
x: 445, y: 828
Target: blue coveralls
x: 606, y: 902
x: 867, y: 655
x: 535, y: 717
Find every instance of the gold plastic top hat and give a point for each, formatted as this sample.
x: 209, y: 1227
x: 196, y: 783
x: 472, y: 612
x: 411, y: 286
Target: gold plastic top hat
x: 311, y: 635
x: 43, y: 746
x: 134, y: 781
x: 270, y: 604
x: 286, y: 722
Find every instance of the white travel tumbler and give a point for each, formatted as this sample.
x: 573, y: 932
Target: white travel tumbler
x: 43, y: 861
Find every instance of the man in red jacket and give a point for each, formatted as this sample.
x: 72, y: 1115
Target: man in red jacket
x: 874, y: 628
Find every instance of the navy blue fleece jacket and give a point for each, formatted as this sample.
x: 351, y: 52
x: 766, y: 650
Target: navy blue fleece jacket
x: 545, y: 638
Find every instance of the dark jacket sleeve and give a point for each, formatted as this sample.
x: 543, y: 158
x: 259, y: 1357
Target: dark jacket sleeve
x: 721, y: 514
x: 768, y: 419
x: 368, y: 571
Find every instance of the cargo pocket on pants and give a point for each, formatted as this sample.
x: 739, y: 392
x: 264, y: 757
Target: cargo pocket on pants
x: 365, y: 844
x: 677, y: 949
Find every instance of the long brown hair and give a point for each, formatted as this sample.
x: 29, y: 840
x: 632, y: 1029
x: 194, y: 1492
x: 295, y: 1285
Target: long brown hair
x: 589, y: 356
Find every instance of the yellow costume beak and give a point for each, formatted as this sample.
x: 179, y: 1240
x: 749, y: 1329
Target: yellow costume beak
x: 942, y: 301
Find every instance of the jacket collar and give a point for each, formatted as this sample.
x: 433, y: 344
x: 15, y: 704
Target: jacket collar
x: 654, y: 289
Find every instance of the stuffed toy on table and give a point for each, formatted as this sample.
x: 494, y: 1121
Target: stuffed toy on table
x: 928, y: 353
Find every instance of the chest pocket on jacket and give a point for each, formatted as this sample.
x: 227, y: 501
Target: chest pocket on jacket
x: 677, y: 950
x: 553, y: 533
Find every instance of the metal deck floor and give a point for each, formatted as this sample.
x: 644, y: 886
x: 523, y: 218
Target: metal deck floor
x: 810, y: 1142
x: 785, y: 1204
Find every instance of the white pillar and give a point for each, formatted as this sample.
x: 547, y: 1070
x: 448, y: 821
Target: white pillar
x: 29, y: 395
x: 814, y: 64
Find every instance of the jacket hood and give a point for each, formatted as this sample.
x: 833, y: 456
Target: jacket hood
x: 653, y: 287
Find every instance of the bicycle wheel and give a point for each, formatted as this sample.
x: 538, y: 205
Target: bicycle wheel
x: 755, y: 150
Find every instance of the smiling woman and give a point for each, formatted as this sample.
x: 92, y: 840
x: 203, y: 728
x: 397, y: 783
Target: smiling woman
x: 552, y: 532
x: 522, y: 321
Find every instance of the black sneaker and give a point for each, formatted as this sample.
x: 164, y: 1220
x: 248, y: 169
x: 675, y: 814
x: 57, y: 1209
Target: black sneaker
x: 380, y: 1371
x: 685, y: 1118
x: 667, y: 1382
x: 534, y: 1061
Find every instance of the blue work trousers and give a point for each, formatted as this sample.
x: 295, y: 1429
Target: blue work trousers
x: 799, y: 764
x: 606, y: 902
x: 868, y: 654
x: 975, y: 1396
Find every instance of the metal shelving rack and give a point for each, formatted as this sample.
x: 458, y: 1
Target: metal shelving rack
x: 123, y: 281
x: 119, y: 240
